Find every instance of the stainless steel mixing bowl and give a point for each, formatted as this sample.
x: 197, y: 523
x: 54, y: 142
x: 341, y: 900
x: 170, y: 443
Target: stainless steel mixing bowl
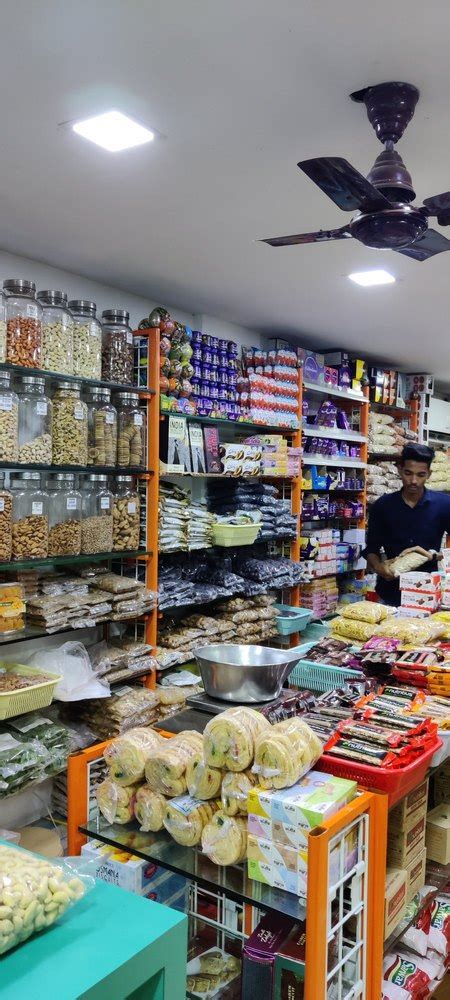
x: 245, y: 674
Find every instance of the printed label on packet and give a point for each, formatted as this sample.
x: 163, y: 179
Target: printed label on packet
x: 78, y: 411
x: 41, y: 407
x: 138, y: 419
x: 109, y: 418
x: 2, y: 506
x: 132, y: 507
x: 184, y: 804
x: 37, y: 507
x: 104, y: 503
x: 5, y: 403
x: 71, y: 503
x: 129, y: 337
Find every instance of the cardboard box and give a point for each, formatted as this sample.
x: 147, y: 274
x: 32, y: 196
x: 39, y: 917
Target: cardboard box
x: 403, y: 845
x: 198, y: 462
x: 277, y: 865
x: 419, y: 600
x: 211, y: 439
x: 313, y: 365
x: 413, y: 803
x: 438, y: 834
x: 175, y: 450
x: 118, y: 867
x: 290, y: 966
x: 416, y: 875
x: 428, y: 583
x: 259, y: 953
x: 395, y: 898
x: 286, y: 815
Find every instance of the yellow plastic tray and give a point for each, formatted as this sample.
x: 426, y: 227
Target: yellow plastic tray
x: 227, y: 535
x: 38, y: 695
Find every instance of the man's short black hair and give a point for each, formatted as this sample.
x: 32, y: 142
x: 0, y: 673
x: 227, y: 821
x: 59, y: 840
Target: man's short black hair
x: 417, y: 453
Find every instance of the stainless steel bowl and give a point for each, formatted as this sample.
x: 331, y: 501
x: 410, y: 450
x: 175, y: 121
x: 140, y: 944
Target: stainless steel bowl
x: 244, y: 674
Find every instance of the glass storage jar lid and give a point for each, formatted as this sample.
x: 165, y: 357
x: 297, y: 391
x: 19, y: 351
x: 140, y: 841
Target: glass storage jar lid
x: 32, y: 382
x: 115, y: 316
x: 128, y: 397
x: 52, y: 298
x: 96, y: 393
x: 27, y: 477
x: 83, y: 306
x: 75, y: 386
x: 19, y: 286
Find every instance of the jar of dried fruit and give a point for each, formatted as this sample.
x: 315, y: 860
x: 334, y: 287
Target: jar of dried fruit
x: 126, y: 515
x: 102, y: 428
x: 117, y: 346
x: 87, y: 339
x: 5, y: 521
x: 2, y: 327
x: 131, y: 430
x: 30, y: 517
x: 97, y: 515
x: 70, y: 425
x: 57, y: 333
x: 64, y: 521
x: 23, y: 323
x: 9, y: 420
x: 35, y: 422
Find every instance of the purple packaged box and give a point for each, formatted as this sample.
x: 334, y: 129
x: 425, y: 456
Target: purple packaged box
x: 232, y: 348
x: 214, y: 391
x: 204, y: 407
x: 214, y: 343
x: 259, y: 953
x: 206, y: 340
x: 313, y: 365
x: 206, y: 355
x: 215, y: 358
x: 196, y: 337
x: 213, y: 376
x: 222, y: 393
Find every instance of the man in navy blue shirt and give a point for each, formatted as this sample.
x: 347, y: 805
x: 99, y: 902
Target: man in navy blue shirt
x: 412, y: 517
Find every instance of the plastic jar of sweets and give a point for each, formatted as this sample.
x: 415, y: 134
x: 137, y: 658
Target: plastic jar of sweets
x: 87, y: 339
x: 35, y: 422
x: 64, y: 521
x: 57, y: 333
x: 30, y: 517
x: 97, y: 515
x: 117, y: 346
x: 102, y: 428
x: 70, y: 425
x: 23, y: 323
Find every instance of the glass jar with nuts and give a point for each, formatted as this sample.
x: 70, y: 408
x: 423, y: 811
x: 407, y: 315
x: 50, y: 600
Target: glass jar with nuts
x: 57, y: 333
x: 23, y: 323
x: 9, y: 421
x: 35, y: 422
x: 87, y: 339
x: 70, y: 425
x: 97, y: 515
x: 30, y: 517
x: 126, y: 515
x: 117, y: 346
x: 2, y: 327
x: 102, y: 428
x: 64, y: 519
x: 131, y: 430
x: 5, y: 521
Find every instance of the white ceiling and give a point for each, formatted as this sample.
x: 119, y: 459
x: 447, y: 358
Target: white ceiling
x: 241, y: 92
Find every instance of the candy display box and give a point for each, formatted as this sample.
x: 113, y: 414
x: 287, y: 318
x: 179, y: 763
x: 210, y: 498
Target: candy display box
x: 286, y: 815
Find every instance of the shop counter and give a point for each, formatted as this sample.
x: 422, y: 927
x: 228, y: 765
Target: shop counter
x: 111, y: 945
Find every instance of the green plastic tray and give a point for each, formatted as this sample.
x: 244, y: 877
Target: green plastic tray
x: 291, y: 620
x: 320, y: 676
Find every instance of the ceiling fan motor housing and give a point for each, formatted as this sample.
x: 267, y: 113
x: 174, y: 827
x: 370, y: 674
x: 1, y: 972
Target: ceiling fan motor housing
x: 391, y: 229
x: 390, y: 107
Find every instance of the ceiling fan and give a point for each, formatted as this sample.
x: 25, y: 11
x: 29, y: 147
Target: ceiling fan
x: 386, y: 217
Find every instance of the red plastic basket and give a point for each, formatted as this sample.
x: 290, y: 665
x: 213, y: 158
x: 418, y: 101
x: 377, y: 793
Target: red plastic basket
x: 395, y: 783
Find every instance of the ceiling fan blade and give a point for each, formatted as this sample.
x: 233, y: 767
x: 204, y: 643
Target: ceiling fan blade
x: 428, y: 245
x: 343, y: 184
x: 322, y: 236
x: 439, y: 205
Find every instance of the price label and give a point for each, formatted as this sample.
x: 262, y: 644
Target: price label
x: 71, y: 503
x: 37, y: 507
x: 104, y: 503
x: 32, y: 311
x: 42, y: 407
x: 5, y: 403
x: 132, y: 507
x: 2, y: 506
x: 129, y: 338
x: 138, y: 419
x: 109, y: 418
x: 78, y: 411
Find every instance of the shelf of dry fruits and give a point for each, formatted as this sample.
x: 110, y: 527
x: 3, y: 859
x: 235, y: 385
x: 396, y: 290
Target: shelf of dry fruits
x: 233, y: 880
x: 60, y: 376
x: 80, y: 560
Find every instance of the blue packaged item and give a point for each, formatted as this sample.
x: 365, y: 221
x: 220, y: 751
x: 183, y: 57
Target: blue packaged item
x: 232, y: 380
x: 214, y: 341
x: 197, y: 369
x: 206, y: 340
x: 215, y: 358
x: 204, y: 406
x: 222, y: 393
x: 196, y: 337
x: 206, y: 371
x: 213, y: 376
x: 222, y: 376
x: 206, y: 355
x: 214, y: 391
x: 223, y: 345
x: 232, y: 348
x: 197, y: 353
x: 205, y: 389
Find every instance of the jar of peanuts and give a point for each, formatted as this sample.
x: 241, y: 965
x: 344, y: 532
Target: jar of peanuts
x: 5, y: 521
x: 23, y: 323
x: 57, y: 333
x: 87, y: 339
x: 126, y: 514
x: 30, y: 517
x: 64, y: 522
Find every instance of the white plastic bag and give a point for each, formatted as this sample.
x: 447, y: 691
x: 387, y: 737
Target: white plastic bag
x: 71, y: 661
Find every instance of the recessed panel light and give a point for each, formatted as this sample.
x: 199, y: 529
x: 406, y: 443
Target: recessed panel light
x: 113, y: 131
x: 367, y: 278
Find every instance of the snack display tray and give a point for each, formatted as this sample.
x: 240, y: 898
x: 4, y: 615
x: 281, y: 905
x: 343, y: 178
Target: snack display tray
x: 444, y: 751
x: 38, y: 695
x: 396, y: 783
x: 321, y: 676
x: 228, y: 535
x: 291, y: 620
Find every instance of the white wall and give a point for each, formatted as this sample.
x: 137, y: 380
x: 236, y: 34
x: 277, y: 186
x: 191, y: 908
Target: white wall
x: 227, y: 331
x: 46, y: 276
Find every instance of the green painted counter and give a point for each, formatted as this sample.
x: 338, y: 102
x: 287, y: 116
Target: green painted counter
x: 110, y: 946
